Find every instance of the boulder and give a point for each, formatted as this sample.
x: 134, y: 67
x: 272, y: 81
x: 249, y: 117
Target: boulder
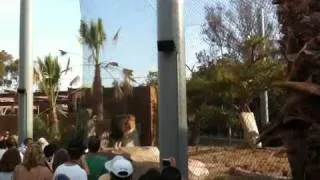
x: 145, y: 158
x: 197, y: 170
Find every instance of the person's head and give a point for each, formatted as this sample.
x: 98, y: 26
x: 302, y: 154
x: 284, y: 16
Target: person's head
x: 119, y: 168
x: 49, y: 150
x: 33, y: 156
x: 94, y: 144
x: 170, y: 173
x: 60, y: 156
x: 76, y: 148
x: 43, y: 142
x: 10, y: 159
x: 3, y: 144
x: 61, y: 177
x: 11, y: 142
x: 27, y: 141
x: 151, y: 174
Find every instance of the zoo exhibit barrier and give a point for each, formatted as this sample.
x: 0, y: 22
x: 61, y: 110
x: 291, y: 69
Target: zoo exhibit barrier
x: 219, y: 162
x: 210, y: 161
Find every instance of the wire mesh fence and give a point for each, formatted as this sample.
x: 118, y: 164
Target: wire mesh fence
x: 219, y: 162
x: 135, y: 49
x: 232, y: 162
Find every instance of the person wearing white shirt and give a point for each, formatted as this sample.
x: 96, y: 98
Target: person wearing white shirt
x: 75, y: 168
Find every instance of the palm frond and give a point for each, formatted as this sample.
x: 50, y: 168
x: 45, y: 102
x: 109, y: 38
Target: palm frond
x: 116, y: 36
x: 68, y: 68
x: 62, y: 52
x: 93, y: 36
x: 61, y: 111
x: 74, y: 81
x: 117, y: 91
x: 47, y: 74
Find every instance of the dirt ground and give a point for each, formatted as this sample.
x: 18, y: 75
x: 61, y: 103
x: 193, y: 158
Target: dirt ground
x: 219, y: 160
x: 223, y: 163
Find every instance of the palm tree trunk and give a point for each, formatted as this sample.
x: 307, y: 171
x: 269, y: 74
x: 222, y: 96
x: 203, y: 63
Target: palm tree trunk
x: 125, y: 104
x: 98, y: 99
x: 55, y: 123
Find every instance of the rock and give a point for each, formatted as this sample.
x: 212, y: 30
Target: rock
x: 144, y: 158
x: 197, y: 170
x: 147, y: 153
x: 148, y: 157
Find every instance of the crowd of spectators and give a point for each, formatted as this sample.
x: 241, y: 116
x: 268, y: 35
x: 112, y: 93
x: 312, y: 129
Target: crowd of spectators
x: 79, y: 159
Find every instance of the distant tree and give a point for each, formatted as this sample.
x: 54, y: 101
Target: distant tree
x: 233, y: 71
x: 5, y: 58
x: 152, y: 78
x: 230, y: 24
x: 12, y: 68
x: 123, y: 90
x: 231, y: 85
x: 92, y: 34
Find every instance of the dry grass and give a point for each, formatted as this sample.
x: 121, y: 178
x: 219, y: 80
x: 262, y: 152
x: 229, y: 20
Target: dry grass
x: 219, y: 160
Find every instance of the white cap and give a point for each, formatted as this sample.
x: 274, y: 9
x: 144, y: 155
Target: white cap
x: 43, y: 142
x: 119, y: 166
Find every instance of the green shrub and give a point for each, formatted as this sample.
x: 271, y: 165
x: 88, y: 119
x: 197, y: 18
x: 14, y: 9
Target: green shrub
x: 40, y: 127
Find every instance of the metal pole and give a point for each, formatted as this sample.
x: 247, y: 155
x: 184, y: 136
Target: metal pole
x: 25, y: 89
x: 264, y: 109
x: 172, y: 83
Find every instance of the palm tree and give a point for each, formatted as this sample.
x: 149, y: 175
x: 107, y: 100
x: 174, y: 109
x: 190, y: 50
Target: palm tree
x: 93, y: 35
x: 47, y: 75
x: 123, y: 90
x: 12, y: 68
x: 300, y: 46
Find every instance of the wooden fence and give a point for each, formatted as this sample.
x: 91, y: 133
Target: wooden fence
x: 142, y: 104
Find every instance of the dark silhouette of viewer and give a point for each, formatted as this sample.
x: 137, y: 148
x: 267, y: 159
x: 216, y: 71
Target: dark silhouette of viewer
x: 48, y: 151
x: 9, y: 161
x: 73, y: 168
x: 60, y: 156
x: 151, y: 174
x: 170, y: 173
x: 11, y: 142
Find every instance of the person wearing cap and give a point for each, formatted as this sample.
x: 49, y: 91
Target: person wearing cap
x: 43, y: 142
x: 119, y: 169
x: 74, y: 168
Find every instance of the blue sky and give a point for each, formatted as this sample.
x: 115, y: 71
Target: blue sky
x: 56, y: 23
